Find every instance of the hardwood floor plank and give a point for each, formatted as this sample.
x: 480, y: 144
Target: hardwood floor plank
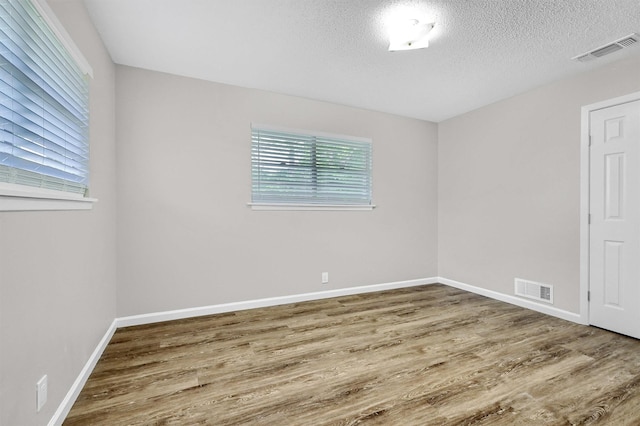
x: 430, y: 355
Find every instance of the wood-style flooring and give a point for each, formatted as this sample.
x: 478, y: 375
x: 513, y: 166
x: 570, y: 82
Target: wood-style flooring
x: 430, y: 355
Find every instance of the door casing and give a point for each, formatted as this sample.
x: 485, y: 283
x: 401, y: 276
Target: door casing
x: 584, y: 195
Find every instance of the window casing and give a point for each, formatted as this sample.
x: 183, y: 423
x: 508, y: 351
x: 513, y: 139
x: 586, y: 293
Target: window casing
x: 297, y: 168
x: 44, y: 108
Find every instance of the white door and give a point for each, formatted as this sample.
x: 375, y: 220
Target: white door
x: 614, y: 252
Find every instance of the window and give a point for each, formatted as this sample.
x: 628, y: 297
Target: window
x: 309, y: 170
x: 44, y: 111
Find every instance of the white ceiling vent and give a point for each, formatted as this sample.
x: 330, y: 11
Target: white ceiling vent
x: 534, y: 290
x: 628, y: 41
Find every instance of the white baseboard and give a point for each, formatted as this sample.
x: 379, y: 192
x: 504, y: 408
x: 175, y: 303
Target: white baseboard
x: 263, y: 303
x: 295, y: 298
x: 545, y: 309
x: 76, y: 387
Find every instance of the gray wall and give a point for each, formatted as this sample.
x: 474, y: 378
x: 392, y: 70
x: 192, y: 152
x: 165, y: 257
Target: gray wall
x: 509, y: 185
x: 186, y: 236
x: 58, y: 269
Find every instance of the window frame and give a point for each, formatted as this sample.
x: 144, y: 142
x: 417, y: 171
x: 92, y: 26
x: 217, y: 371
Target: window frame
x: 16, y: 197
x: 294, y: 206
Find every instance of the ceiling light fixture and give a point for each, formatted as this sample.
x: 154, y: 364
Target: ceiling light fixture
x: 410, y: 35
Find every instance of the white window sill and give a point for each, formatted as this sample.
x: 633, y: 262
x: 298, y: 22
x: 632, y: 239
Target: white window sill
x: 23, y: 198
x: 309, y: 207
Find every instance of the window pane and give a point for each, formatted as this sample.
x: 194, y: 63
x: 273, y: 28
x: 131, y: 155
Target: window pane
x: 43, y: 105
x: 293, y: 168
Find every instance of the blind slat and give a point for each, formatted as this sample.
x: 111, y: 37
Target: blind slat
x: 44, y: 111
x: 289, y: 167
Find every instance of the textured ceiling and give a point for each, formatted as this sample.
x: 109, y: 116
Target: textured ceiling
x: 336, y: 50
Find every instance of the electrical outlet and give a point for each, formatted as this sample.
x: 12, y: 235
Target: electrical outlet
x: 325, y: 277
x: 41, y: 392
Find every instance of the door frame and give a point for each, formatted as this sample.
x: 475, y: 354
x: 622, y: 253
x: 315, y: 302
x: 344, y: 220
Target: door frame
x: 585, y: 175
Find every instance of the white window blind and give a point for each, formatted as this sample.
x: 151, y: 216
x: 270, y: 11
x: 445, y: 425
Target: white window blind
x: 43, y: 105
x: 298, y: 168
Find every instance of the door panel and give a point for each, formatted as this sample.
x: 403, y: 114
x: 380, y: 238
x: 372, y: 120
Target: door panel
x: 614, y: 184
x: 612, y: 272
x: 614, y: 234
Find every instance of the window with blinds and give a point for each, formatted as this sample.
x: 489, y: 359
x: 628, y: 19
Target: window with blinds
x: 44, y: 99
x: 299, y: 168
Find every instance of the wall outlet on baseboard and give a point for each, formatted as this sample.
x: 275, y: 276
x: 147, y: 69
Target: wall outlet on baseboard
x: 41, y: 392
x: 325, y: 277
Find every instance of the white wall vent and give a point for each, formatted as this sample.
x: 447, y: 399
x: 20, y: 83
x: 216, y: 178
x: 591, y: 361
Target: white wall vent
x: 534, y: 290
x: 628, y: 41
